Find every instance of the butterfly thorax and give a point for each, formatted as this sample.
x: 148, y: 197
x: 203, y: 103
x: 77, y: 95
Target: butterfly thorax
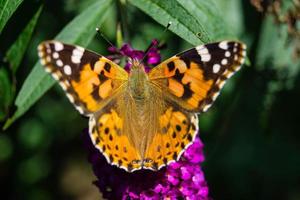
x: 138, y: 83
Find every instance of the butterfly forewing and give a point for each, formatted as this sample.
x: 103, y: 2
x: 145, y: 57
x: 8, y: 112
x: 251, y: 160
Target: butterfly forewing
x: 194, y: 78
x: 88, y: 79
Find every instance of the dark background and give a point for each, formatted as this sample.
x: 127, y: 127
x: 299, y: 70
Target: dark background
x: 251, y: 134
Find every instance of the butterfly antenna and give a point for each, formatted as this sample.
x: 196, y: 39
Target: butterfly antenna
x: 103, y: 36
x: 155, y: 44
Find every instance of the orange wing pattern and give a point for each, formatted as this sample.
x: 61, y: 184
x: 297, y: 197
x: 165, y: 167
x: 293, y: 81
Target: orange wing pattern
x: 195, y: 77
x: 106, y: 132
x: 178, y: 130
x: 88, y: 79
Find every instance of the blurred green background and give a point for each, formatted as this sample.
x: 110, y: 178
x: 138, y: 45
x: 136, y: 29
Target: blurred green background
x: 251, y: 134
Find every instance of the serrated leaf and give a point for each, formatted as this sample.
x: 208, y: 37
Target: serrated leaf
x: 189, y: 18
x: 7, y: 8
x: 16, y: 52
x: 79, y: 31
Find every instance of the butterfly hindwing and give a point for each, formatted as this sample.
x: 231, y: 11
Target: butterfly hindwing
x: 88, y: 79
x: 178, y: 129
x: 195, y: 77
x: 106, y: 129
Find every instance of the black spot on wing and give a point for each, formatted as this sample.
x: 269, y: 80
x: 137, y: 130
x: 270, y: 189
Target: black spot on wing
x: 107, y: 67
x: 95, y: 93
x: 102, y: 77
x: 178, y: 76
x: 171, y: 66
x: 187, y: 91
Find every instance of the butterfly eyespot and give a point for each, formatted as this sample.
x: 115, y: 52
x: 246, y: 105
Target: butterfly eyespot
x: 117, y: 147
x: 125, y: 149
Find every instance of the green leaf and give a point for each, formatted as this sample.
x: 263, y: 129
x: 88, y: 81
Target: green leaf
x: 210, y: 17
x: 80, y: 31
x: 16, y: 52
x: 5, y: 92
x: 189, y: 18
x: 7, y: 8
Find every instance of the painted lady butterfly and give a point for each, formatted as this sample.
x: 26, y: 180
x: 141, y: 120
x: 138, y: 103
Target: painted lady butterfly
x: 138, y: 119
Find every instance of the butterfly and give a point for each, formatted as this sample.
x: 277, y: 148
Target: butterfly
x: 139, y: 119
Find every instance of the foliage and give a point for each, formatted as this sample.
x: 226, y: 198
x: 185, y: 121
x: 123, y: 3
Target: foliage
x: 250, y: 134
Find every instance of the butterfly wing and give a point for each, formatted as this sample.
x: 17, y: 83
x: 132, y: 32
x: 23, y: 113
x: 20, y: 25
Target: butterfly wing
x: 178, y: 129
x: 89, y: 80
x: 194, y: 78
x: 108, y: 135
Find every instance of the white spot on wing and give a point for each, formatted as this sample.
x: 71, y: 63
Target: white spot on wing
x: 40, y: 47
x: 79, y: 109
x: 67, y: 70
x: 223, y: 45
x: 55, y: 76
x: 205, y: 57
x: 55, y: 55
x: 206, y: 107
x: 215, y: 96
x: 41, y: 54
x: 48, y: 59
x: 63, y: 85
x: 216, y: 68
x: 59, y: 63
x: 70, y: 97
x: 43, y: 61
x: 77, y: 54
x: 224, y: 61
x: 242, y: 60
x: 202, y: 50
x: 75, y: 59
x: 58, y: 46
x: 221, y: 84
x: 227, y: 53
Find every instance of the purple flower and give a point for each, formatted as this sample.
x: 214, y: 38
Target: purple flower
x: 152, y: 56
